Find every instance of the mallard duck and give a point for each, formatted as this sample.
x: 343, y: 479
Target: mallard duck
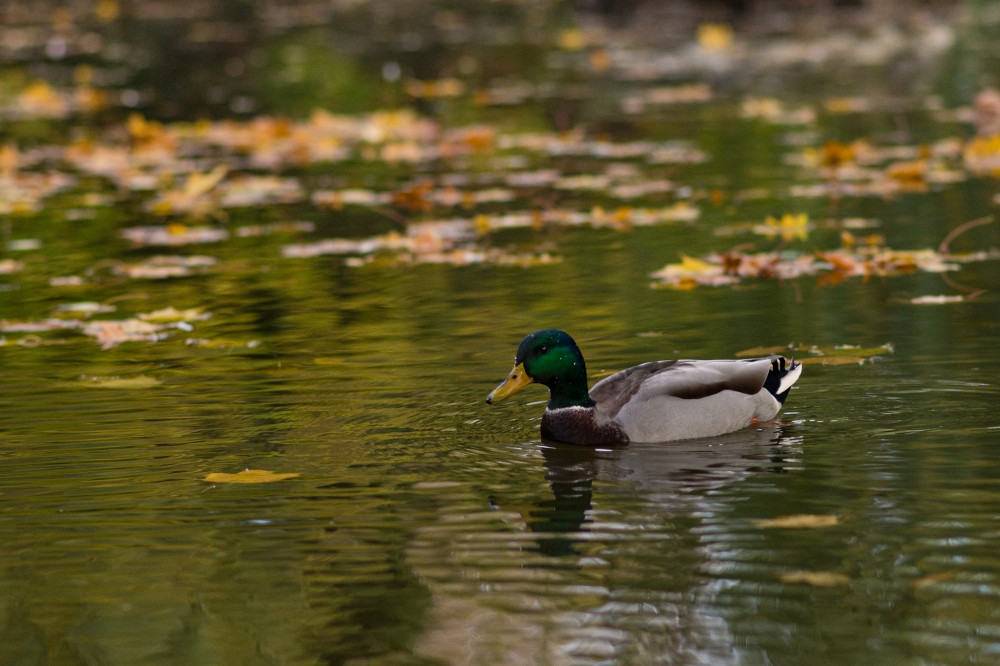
x: 652, y: 402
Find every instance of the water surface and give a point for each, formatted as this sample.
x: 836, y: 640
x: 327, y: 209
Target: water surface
x: 428, y: 527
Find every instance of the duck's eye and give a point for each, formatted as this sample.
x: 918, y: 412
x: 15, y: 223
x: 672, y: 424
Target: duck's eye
x: 543, y: 350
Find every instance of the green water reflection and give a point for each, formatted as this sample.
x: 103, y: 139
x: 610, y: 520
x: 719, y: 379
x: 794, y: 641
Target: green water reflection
x: 427, y: 527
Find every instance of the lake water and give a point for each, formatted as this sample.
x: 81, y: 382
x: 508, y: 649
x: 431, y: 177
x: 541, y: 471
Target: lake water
x: 427, y: 527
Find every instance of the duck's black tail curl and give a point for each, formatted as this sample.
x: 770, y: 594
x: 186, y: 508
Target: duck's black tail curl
x: 782, y: 375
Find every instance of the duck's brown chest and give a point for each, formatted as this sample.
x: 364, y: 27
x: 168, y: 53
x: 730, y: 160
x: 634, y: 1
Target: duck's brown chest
x: 577, y: 425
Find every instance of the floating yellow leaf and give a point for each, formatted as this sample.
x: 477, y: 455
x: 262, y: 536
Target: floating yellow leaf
x: 435, y: 89
x: 693, y: 265
x: 832, y: 267
x: 691, y: 272
x: 982, y: 155
x: 162, y: 267
x: 762, y: 351
x: 140, y: 382
x: 717, y: 37
x: 822, y: 355
x: 172, y: 314
x: 89, y: 99
x: 200, y: 183
x: 250, y: 476
x: 936, y: 300
x: 482, y: 224
x: 852, y: 351
x: 667, y: 95
x: 10, y: 156
x: 107, y: 10
x: 841, y: 105
x: 911, y: 174
x: 788, y: 226
x: 8, y: 266
x: 221, y: 344
x: 174, y: 234
x: 832, y: 360
x: 600, y: 60
x: 110, y: 333
x: 39, y: 99
x: 799, y: 521
x: 84, y: 308
x: 816, y: 578
x: 245, y: 191
x: 436, y: 485
x: 196, y: 197
x: 835, y: 154
x: 572, y: 39
x: 773, y: 111
x: 932, y: 579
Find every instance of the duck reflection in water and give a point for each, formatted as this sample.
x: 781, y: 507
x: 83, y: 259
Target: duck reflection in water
x: 676, y: 477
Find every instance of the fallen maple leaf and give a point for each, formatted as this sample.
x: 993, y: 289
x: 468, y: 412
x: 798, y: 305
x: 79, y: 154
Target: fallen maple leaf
x: 162, y: 267
x: 834, y: 154
x: 415, y: 198
x: 832, y: 360
x: 173, y: 235
x: 110, y: 333
x: 932, y: 579
x: 936, y: 300
x: 140, y: 382
x: 40, y: 100
x: 816, y: 578
x: 982, y: 155
x: 250, y: 476
x: 715, y: 37
x: 764, y: 351
x: 799, y: 521
x: 691, y: 272
x: 823, y: 354
x: 788, y: 226
x: 8, y: 266
x: 171, y: 314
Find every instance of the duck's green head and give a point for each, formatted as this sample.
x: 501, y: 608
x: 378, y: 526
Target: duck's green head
x: 551, y: 358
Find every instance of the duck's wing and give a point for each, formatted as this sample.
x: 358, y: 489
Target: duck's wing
x: 689, y: 380
x: 612, y: 392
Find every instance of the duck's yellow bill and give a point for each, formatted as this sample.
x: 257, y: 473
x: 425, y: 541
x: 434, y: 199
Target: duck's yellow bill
x: 516, y: 380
